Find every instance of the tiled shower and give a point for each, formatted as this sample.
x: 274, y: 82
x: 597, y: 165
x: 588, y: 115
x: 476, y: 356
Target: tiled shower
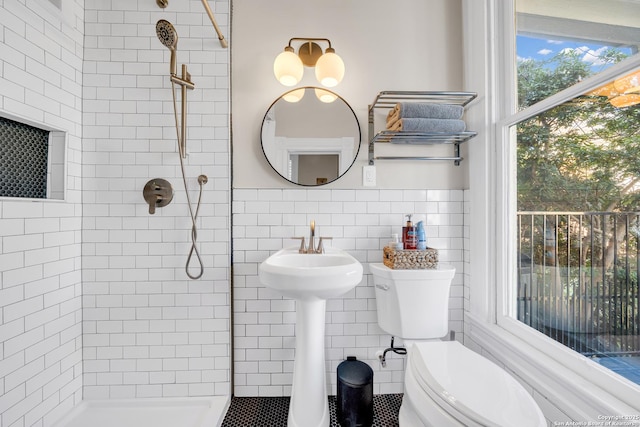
x: 40, y: 242
x: 94, y: 300
x: 148, y: 331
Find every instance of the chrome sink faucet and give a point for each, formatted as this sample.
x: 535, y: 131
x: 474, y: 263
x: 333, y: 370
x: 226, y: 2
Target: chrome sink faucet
x: 311, y: 249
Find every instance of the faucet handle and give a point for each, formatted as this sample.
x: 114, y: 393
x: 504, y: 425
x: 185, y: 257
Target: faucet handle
x: 157, y: 193
x: 320, y: 249
x: 302, y: 249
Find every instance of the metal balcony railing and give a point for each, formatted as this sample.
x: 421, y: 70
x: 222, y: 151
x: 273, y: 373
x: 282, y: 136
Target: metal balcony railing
x: 578, y: 279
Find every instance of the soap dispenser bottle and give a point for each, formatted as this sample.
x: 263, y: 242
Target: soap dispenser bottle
x: 422, y: 236
x: 409, y: 235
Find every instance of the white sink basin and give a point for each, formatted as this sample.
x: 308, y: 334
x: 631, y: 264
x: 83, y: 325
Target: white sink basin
x: 310, y: 276
x: 310, y: 279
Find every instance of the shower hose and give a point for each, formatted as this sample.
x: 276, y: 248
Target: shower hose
x: 202, y: 180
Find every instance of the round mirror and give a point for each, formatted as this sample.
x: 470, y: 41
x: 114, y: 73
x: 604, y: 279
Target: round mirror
x: 310, y: 136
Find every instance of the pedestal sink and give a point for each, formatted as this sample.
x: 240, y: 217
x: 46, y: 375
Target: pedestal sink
x: 310, y: 279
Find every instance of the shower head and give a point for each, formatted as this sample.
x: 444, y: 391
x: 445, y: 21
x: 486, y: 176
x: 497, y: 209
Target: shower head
x: 168, y: 36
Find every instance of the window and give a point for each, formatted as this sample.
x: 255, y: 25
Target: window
x: 567, y: 385
x: 574, y: 142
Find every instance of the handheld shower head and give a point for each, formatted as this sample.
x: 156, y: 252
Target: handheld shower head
x: 168, y: 36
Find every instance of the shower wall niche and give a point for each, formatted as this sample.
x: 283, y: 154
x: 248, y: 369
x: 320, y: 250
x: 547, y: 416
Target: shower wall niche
x: 32, y: 161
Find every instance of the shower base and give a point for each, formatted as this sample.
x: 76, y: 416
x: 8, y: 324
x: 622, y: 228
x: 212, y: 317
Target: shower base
x: 183, y: 412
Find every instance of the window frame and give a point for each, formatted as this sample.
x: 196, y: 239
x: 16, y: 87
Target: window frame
x: 578, y: 388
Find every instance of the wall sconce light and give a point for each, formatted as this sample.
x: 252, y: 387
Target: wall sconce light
x: 622, y: 92
x: 289, y: 66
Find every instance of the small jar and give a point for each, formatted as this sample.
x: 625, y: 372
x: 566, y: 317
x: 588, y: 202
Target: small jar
x: 395, y: 243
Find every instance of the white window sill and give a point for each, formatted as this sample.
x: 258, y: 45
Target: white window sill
x: 581, y: 389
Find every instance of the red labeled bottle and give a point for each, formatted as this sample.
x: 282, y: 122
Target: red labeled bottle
x: 409, y: 235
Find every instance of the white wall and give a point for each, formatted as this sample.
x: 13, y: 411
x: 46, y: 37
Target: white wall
x: 405, y: 45
x: 148, y: 330
x: 40, y: 278
x: 360, y: 222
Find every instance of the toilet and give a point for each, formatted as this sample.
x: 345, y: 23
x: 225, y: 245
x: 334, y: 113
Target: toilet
x: 445, y: 384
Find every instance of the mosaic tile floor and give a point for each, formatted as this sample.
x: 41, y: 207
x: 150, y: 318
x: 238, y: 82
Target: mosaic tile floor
x: 272, y: 411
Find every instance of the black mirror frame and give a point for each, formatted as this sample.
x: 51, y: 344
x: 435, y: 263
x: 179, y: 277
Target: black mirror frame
x: 337, y: 97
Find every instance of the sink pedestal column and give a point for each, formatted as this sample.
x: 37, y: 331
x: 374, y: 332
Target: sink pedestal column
x: 309, y: 406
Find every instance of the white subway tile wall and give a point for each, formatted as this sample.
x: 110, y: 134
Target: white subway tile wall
x: 40, y: 241
x: 361, y: 222
x: 94, y: 300
x: 467, y: 252
x: 148, y: 330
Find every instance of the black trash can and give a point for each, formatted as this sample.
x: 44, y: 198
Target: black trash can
x: 354, y: 400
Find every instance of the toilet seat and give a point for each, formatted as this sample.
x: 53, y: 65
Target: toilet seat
x: 470, y: 388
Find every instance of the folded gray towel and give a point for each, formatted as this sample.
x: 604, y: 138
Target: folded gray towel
x: 429, y: 125
x: 429, y: 110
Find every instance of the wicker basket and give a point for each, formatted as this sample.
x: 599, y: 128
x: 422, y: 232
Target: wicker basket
x: 410, y: 259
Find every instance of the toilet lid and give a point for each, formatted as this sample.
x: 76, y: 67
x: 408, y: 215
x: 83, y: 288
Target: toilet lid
x: 467, y: 383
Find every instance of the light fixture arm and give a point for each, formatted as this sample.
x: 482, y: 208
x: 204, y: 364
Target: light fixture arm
x: 309, y: 39
x: 309, y: 51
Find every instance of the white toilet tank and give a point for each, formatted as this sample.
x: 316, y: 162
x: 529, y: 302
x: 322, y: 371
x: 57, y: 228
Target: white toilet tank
x: 413, y: 304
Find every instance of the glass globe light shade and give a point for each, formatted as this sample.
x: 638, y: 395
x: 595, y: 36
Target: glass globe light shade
x: 288, y: 67
x: 325, y: 96
x: 294, y: 95
x: 329, y: 68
